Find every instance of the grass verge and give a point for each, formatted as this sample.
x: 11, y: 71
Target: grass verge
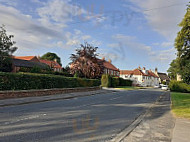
x: 181, y: 104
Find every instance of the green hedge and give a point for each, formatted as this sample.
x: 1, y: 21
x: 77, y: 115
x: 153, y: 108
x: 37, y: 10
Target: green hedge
x: 125, y: 82
x: 26, y: 81
x: 178, y: 86
x: 115, y: 82
x: 108, y: 81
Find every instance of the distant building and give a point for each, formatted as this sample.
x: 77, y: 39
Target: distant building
x: 52, y: 64
x: 179, y: 78
x: 140, y: 77
x: 109, y: 68
x: 163, y: 77
x: 18, y: 64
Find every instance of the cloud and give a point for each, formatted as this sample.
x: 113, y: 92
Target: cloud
x: 162, y: 15
x: 131, y: 43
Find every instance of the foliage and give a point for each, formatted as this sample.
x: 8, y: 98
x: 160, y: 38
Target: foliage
x: 76, y: 74
x: 182, y: 44
x: 106, y: 80
x: 26, y: 81
x: 7, y: 48
x: 181, y: 104
x: 51, y: 56
x: 115, y: 81
x: 125, y: 82
x: 174, y: 69
x: 109, y: 81
x: 36, y: 70
x: 179, y: 86
x: 163, y: 82
x: 85, y: 62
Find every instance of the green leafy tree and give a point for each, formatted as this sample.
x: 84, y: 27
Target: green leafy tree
x: 85, y: 62
x: 51, y: 56
x: 182, y: 44
x: 7, y: 48
x: 174, y: 69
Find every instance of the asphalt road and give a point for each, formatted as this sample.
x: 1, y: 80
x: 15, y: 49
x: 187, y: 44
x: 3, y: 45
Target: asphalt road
x: 85, y: 119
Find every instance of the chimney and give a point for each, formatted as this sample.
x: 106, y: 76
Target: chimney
x: 103, y: 58
x: 109, y: 60
x: 144, y: 70
x: 139, y: 68
x: 156, y: 71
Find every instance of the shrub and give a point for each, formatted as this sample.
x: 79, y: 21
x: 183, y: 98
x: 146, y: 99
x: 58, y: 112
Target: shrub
x: 178, y: 86
x: 27, y: 81
x: 125, y: 82
x: 115, y: 82
x: 106, y: 80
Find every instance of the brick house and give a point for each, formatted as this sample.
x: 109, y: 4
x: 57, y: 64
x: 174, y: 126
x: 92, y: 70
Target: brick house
x: 109, y: 68
x: 52, y: 64
x: 17, y: 64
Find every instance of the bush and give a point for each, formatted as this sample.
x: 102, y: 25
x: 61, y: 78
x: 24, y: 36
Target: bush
x: 125, y: 82
x: 27, y: 81
x: 115, y: 82
x: 106, y: 80
x: 178, y: 86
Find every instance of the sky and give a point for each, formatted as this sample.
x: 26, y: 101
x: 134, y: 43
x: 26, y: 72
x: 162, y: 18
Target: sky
x: 131, y: 33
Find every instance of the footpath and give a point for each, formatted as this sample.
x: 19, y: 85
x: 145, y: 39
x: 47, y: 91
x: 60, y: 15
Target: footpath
x: 159, y: 125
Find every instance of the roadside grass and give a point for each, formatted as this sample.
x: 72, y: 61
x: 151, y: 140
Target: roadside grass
x: 130, y: 87
x: 181, y: 104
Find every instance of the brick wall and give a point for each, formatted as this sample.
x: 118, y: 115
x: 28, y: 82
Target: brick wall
x: 43, y: 92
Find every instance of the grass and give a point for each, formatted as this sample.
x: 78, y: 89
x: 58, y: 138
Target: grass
x: 181, y: 104
x: 130, y: 87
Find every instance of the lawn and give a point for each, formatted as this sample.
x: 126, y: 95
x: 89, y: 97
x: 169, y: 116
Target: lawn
x: 130, y: 87
x: 181, y: 104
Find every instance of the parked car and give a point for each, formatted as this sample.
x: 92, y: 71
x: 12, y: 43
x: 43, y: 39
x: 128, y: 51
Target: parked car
x: 164, y: 87
x: 157, y: 86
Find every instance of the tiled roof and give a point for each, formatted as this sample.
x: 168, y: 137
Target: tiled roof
x: 163, y: 76
x: 29, y: 64
x: 24, y: 57
x: 137, y: 72
x: 109, y: 65
x: 52, y: 64
x: 150, y: 73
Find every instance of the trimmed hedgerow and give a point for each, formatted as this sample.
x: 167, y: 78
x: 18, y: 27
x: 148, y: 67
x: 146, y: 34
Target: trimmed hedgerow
x: 108, y: 81
x: 115, y: 82
x: 178, y: 86
x: 27, y: 81
x: 125, y: 82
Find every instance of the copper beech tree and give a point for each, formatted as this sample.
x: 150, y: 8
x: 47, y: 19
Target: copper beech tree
x: 85, y: 62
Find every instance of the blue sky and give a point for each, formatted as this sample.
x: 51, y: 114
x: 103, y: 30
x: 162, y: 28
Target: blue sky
x: 131, y: 33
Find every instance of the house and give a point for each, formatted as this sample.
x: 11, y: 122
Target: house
x: 109, y: 68
x: 140, y: 77
x: 28, y: 58
x: 52, y: 64
x: 18, y: 64
x: 163, y: 77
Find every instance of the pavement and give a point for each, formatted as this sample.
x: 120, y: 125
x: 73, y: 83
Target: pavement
x: 181, y: 131
x: 157, y: 125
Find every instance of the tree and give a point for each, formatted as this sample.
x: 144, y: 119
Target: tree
x: 7, y: 48
x: 51, y: 56
x: 182, y: 44
x: 174, y: 69
x: 85, y: 62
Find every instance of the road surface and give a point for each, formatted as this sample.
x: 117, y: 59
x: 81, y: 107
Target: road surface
x: 85, y: 119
